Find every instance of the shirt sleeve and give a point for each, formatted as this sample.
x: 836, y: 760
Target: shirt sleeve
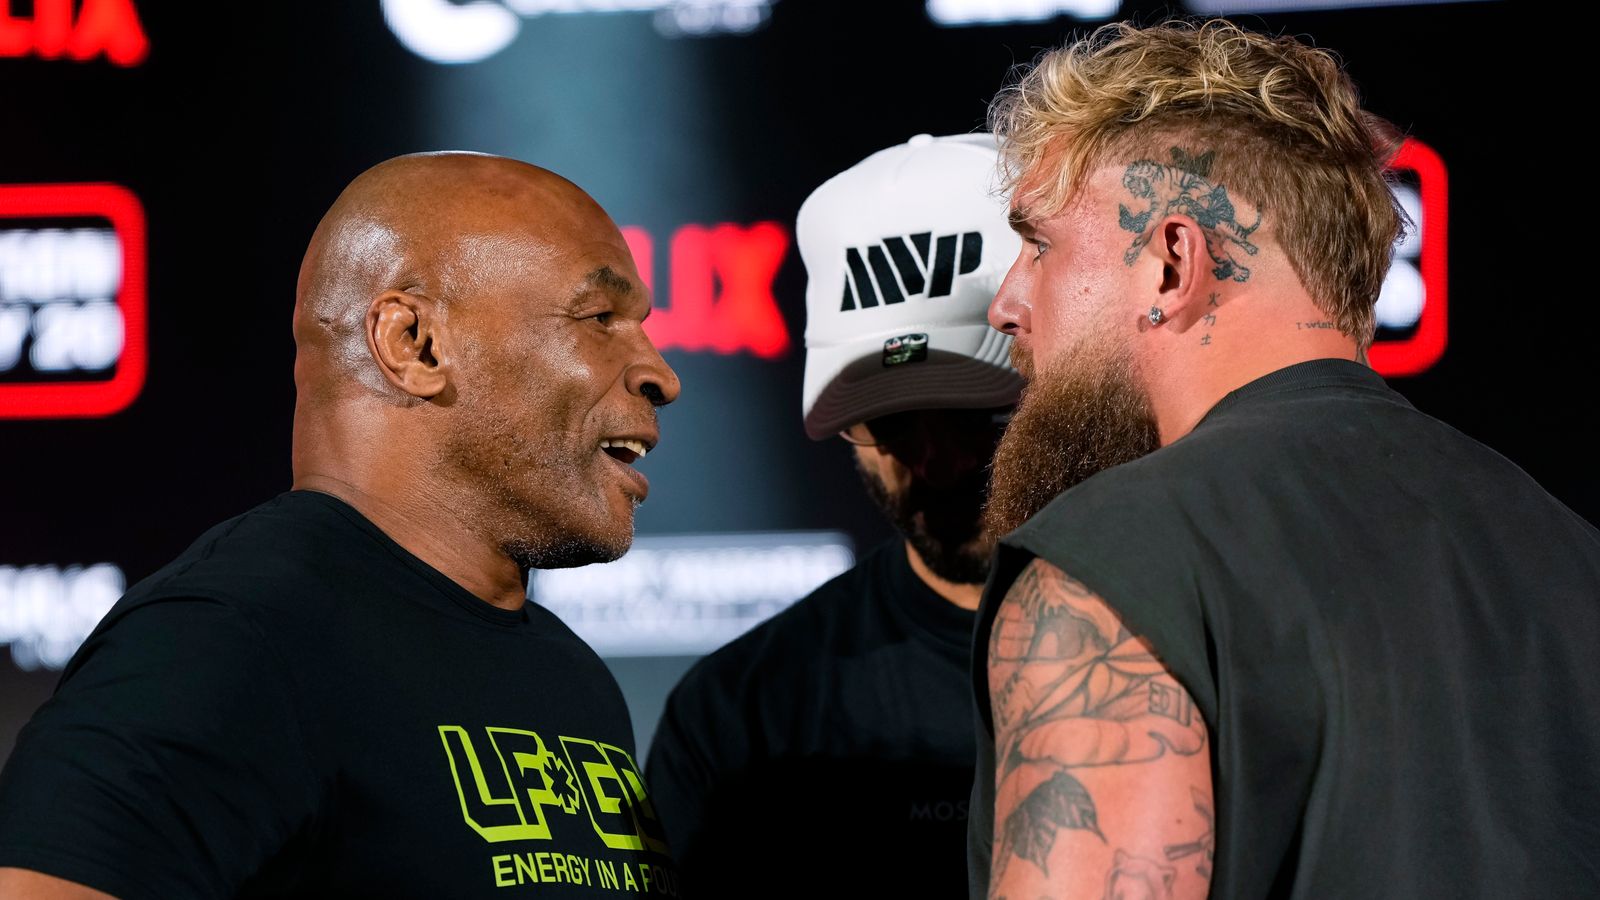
x: 168, y: 764
x: 678, y: 772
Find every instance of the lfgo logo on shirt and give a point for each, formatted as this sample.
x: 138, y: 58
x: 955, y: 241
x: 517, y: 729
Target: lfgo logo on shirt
x: 514, y: 786
x: 899, y: 267
x: 509, y: 798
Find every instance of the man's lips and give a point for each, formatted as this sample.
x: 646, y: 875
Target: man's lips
x: 637, y: 484
x: 622, y: 451
x: 626, y: 449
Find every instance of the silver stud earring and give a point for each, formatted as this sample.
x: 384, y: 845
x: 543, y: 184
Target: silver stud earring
x: 1156, y: 315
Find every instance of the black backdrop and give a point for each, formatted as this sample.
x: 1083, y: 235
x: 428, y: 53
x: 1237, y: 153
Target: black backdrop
x: 241, y: 126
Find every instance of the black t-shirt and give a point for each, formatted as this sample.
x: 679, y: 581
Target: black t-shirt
x: 1390, y: 630
x: 827, y: 752
x: 297, y: 706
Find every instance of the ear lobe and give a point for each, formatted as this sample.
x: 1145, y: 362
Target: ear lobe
x: 404, y: 336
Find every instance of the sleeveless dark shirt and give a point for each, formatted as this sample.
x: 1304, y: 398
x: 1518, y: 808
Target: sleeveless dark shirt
x: 1392, y: 631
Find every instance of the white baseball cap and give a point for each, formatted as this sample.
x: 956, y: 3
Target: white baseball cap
x: 903, y: 253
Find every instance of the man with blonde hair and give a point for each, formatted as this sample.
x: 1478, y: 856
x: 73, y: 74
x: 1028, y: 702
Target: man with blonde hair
x: 1258, y: 627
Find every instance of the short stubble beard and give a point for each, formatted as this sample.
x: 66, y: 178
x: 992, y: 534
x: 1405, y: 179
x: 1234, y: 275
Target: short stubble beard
x: 505, y: 471
x: 945, y: 527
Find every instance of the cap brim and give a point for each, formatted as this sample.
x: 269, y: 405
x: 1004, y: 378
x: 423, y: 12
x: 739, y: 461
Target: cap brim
x: 858, y: 386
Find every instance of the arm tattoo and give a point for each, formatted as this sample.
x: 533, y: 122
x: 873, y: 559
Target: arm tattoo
x: 1074, y: 691
x: 1133, y: 878
x: 1205, y: 845
x: 1184, y: 186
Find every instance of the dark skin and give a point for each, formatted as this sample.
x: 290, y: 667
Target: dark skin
x: 468, y: 333
x: 462, y: 400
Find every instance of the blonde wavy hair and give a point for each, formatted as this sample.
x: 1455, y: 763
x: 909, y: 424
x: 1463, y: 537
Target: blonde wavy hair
x: 1283, y: 121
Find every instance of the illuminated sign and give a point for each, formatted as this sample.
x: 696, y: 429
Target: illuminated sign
x: 1413, y: 310
x: 686, y: 595
x: 72, y: 300
x: 1007, y: 12
x: 1000, y: 12
x: 108, y: 28
x: 47, y: 611
x: 1233, y: 7
x: 453, y: 32
x: 720, y: 288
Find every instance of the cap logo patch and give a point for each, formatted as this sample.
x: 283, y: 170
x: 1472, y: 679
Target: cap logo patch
x: 910, y: 266
x: 907, y: 348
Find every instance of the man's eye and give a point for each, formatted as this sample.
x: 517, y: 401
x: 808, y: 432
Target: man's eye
x: 1039, y: 248
x: 603, y: 318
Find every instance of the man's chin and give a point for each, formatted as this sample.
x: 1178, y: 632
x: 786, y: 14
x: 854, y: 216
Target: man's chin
x: 565, y: 554
x: 966, y: 562
x: 1072, y: 423
x: 577, y: 544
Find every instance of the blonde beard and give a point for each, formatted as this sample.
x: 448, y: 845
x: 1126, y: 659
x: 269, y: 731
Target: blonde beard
x: 1077, y: 418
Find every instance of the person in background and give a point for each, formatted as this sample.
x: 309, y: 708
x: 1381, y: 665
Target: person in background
x: 1257, y: 626
x: 828, y: 751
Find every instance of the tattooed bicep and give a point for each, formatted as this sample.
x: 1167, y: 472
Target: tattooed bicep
x: 1048, y: 614
x: 1092, y: 735
x: 1060, y: 652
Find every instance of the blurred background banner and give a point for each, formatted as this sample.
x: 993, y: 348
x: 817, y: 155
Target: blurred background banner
x: 162, y: 166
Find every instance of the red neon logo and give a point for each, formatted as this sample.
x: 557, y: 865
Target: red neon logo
x: 720, y: 288
x: 66, y: 399
x: 108, y: 27
x: 1425, y: 346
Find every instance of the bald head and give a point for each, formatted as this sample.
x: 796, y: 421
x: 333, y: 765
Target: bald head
x: 470, y: 347
x: 427, y: 224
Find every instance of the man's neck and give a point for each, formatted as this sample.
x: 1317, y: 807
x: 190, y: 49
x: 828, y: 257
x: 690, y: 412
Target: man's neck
x: 965, y: 596
x: 428, y: 531
x: 1265, y: 332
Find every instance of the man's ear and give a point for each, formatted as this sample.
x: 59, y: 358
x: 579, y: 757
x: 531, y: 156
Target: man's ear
x: 1187, y: 282
x: 406, y: 337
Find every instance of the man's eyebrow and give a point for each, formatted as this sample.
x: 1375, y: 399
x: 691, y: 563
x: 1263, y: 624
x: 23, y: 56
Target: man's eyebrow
x: 607, y: 279
x: 1019, y: 221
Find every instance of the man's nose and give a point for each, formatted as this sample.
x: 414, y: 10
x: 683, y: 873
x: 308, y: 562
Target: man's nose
x: 1009, y: 311
x: 650, y: 377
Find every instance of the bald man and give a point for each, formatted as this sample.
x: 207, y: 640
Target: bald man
x: 342, y: 692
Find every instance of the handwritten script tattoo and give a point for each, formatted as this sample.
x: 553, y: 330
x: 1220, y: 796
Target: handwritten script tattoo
x: 1184, y: 186
x: 1210, y: 318
x: 1073, y: 690
x: 1300, y: 326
